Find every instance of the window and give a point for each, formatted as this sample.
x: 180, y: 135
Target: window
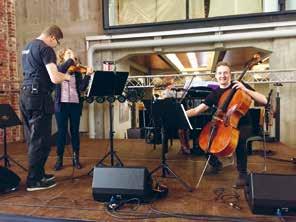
x: 138, y: 13
x: 290, y: 5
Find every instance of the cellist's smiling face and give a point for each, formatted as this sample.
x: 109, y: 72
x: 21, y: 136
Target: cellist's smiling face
x: 223, y: 76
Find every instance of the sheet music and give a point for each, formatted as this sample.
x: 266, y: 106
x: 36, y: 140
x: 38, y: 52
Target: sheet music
x: 90, y: 84
x: 189, y: 124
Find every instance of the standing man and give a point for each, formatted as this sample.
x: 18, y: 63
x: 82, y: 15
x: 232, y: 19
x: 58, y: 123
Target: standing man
x: 223, y: 76
x: 36, y: 104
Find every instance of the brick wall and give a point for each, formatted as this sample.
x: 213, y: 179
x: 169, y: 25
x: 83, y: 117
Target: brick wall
x: 9, y: 80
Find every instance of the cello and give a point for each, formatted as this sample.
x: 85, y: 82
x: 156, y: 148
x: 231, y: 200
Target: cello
x: 220, y: 136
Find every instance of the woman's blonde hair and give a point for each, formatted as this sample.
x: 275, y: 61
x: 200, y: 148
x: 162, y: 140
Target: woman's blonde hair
x: 60, y: 55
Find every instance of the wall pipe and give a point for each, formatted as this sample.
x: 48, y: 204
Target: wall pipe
x: 214, y: 38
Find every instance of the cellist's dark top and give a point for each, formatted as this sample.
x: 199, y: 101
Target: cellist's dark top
x: 213, y: 98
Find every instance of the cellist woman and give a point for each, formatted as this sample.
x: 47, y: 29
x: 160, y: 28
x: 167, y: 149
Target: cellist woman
x: 223, y: 76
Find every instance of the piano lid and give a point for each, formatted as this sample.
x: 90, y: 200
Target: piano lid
x: 200, y: 89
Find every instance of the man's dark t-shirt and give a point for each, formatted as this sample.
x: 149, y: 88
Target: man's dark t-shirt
x: 35, y: 56
x: 213, y: 98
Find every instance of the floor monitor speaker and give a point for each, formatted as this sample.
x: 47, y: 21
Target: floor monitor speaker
x: 128, y: 182
x: 268, y: 193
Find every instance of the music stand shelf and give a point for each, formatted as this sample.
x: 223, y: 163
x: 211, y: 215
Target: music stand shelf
x: 108, y: 83
x: 172, y: 116
x: 8, y: 118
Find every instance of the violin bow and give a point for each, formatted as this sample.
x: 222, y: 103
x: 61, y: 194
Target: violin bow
x: 186, y: 89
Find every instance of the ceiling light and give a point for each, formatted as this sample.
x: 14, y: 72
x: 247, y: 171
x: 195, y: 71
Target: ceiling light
x: 204, y: 59
x: 174, y: 59
x: 192, y: 59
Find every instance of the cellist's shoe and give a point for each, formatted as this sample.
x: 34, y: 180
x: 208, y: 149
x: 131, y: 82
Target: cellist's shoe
x: 241, y: 181
x: 214, y: 169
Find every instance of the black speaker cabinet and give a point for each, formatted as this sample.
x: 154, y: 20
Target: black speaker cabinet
x: 266, y: 193
x: 136, y: 133
x: 128, y: 182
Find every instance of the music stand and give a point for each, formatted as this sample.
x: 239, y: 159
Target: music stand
x: 108, y: 83
x: 8, y: 118
x: 172, y: 116
x: 198, y: 94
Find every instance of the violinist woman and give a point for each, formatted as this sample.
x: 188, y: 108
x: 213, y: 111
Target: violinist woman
x: 169, y: 84
x: 223, y: 76
x: 68, y: 105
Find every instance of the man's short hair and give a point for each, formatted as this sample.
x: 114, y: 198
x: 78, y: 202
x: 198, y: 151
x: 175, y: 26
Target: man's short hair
x: 53, y: 30
x: 223, y: 63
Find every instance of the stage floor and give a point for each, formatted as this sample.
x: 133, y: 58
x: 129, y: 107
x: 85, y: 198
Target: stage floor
x: 72, y: 197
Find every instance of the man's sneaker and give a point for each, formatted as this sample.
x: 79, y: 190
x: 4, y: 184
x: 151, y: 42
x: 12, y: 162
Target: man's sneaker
x: 48, y: 177
x: 41, y: 185
x: 241, y: 181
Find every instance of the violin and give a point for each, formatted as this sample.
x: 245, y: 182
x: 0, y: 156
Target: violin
x: 220, y: 136
x: 77, y: 68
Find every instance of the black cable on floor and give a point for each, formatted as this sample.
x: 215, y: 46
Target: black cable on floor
x: 229, y: 197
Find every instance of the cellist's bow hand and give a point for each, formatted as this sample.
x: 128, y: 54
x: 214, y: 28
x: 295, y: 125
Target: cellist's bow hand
x: 239, y: 85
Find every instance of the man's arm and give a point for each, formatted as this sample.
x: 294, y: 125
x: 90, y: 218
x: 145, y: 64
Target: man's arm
x: 197, y: 110
x: 258, y: 97
x: 55, y: 76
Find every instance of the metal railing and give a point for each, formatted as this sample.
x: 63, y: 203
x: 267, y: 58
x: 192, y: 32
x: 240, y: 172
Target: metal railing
x: 251, y: 77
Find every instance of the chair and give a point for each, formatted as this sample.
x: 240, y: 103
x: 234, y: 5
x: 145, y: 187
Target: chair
x: 258, y: 128
x: 260, y: 119
x: 260, y: 123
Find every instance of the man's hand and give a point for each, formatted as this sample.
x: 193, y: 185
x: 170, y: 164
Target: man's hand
x: 67, y: 77
x: 56, y: 77
x: 239, y: 85
x: 89, y: 71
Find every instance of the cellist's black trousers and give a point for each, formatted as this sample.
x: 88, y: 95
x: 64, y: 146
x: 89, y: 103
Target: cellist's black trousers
x: 241, y: 150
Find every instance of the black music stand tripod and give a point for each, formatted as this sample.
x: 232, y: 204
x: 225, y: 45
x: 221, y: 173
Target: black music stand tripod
x: 172, y: 116
x: 110, y: 84
x: 112, y: 152
x: 8, y: 118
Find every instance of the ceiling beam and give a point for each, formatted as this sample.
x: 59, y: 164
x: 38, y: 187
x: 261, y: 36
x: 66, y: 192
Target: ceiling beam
x: 218, y: 56
x: 138, y: 67
x: 166, y: 60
